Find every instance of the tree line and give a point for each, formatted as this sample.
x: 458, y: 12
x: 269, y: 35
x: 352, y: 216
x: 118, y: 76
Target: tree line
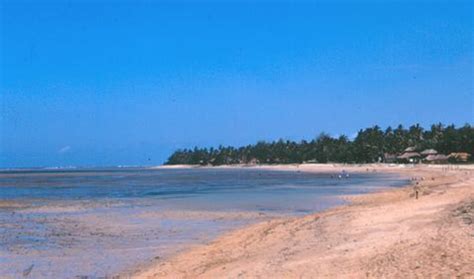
x: 369, y: 146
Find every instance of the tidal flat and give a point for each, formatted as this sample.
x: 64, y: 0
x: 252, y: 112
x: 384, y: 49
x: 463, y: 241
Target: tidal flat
x: 107, y: 222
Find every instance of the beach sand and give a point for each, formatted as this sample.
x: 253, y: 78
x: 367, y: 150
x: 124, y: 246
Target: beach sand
x: 387, y: 234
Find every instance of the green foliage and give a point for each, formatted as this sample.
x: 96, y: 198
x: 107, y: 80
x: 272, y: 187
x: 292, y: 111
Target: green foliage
x: 370, y: 145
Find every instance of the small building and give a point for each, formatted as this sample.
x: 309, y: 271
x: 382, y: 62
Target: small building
x: 428, y: 152
x: 459, y: 157
x: 436, y: 159
x: 410, y: 157
x: 410, y: 149
x: 389, y: 158
x: 253, y: 161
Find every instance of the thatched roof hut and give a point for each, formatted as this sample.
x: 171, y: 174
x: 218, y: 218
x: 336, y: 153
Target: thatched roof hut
x: 427, y: 152
x: 409, y: 155
x: 253, y: 161
x: 440, y: 158
x: 389, y: 158
x: 459, y: 156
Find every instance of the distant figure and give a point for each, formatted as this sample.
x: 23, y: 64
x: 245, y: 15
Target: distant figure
x: 416, y: 190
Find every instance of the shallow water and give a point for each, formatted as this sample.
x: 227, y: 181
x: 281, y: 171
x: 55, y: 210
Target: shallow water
x: 106, y: 221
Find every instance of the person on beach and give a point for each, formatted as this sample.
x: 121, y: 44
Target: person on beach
x: 416, y: 190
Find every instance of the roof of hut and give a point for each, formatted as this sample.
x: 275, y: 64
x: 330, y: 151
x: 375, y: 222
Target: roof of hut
x: 408, y: 155
x: 410, y: 149
x: 439, y: 157
x: 460, y: 156
x: 429, y: 152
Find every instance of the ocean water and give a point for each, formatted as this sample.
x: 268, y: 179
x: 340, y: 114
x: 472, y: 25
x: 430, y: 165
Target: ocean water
x: 99, y: 222
x: 206, y: 188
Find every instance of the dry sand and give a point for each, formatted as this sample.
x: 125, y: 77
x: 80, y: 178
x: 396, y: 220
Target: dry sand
x: 387, y: 234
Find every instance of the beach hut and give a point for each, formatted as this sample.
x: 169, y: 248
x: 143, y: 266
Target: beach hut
x: 253, y: 161
x: 437, y: 159
x: 389, y: 158
x: 428, y: 152
x: 410, y: 149
x: 459, y: 157
x: 410, y: 157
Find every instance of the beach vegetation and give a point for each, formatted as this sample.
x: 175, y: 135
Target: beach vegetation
x: 371, y: 145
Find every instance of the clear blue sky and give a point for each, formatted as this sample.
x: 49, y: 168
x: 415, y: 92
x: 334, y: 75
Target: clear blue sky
x: 95, y: 83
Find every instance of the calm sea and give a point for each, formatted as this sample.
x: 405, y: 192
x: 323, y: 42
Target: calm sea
x: 222, y: 189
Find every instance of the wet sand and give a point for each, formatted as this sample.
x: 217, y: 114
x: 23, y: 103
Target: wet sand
x: 387, y: 234
x: 94, y: 240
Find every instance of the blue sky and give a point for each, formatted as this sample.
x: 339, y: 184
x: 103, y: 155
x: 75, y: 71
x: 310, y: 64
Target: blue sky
x: 95, y: 83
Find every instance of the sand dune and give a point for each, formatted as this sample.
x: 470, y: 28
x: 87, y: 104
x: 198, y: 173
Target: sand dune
x: 387, y: 234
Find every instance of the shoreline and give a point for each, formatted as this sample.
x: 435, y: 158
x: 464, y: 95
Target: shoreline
x: 384, y: 233
x: 65, y: 237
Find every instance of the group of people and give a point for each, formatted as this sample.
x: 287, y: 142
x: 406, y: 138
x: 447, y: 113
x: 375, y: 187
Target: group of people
x: 343, y: 174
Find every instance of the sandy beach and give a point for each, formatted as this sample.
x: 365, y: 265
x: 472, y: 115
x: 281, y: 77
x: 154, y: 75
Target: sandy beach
x: 387, y: 234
